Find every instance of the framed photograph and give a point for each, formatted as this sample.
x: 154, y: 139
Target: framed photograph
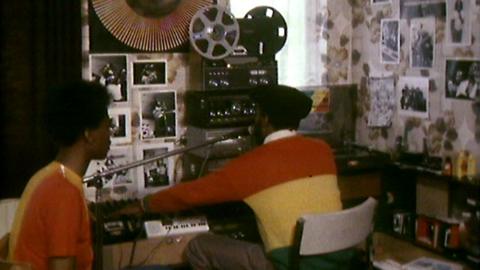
x: 157, y: 174
x: 110, y: 70
x: 149, y: 73
x: 318, y: 121
x: 379, y: 2
x: 462, y: 78
x: 121, y: 125
x: 382, y: 101
x: 390, y: 41
x: 410, y: 9
x: 458, y: 23
x: 422, y: 43
x: 158, y: 114
x: 413, y: 96
x: 120, y: 185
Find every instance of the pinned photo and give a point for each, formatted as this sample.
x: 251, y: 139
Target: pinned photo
x: 149, y: 73
x: 382, y: 101
x: 458, y: 24
x: 121, y: 125
x: 119, y: 185
x: 158, y: 173
x: 413, y: 96
x: 422, y: 43
x: 462, y: 79
x: 390, y: 41
x: 158, y: 115
x: 110, y: 70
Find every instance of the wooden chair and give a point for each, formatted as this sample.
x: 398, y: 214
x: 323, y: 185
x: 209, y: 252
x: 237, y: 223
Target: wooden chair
x: 320, y: 234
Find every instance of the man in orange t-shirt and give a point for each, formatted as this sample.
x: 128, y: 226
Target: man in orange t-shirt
x: 51, y: 229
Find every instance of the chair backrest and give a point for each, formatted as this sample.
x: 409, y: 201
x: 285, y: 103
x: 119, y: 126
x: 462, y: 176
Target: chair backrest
x: 8, y: 208
x: 325, y: 233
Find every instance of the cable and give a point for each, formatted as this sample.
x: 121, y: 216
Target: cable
x: 205, y: 160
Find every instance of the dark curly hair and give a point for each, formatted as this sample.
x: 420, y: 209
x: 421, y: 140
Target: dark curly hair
x: 71, y: 108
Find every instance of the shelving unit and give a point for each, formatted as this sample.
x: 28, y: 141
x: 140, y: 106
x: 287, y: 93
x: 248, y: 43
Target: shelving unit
x: 424, y: 195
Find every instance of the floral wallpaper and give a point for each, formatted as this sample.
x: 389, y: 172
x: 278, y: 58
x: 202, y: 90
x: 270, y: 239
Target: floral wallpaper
x: 354, y: 55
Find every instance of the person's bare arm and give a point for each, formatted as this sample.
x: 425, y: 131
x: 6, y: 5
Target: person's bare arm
x: 62, y: 263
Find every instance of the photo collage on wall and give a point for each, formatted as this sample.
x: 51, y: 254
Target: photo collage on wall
x: 411, y: 93
x: 143, y: 123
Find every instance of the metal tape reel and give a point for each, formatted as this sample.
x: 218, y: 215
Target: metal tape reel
x: 214, y: 32
x: 271, y: 25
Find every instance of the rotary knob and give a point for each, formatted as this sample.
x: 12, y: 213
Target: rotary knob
x: 213, y: 83
x: 253, y: 82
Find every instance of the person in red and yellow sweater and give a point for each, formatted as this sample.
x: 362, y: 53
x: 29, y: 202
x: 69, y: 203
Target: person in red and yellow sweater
x: 51, y: 229
x: 289, y: 175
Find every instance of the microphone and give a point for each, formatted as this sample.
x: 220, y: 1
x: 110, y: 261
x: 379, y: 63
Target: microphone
x: 234, y: 134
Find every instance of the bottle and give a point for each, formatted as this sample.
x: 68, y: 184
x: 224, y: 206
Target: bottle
x: 471, y: 166
x: 461, y: 165
x: 447, y: 166
x: 464, y: 164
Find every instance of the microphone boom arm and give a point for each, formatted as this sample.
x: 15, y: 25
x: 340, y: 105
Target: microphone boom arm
x: 93, y: 177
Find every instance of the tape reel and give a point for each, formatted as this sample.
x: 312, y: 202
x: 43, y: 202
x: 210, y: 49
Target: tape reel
x: 272, y: 26
x: 214, y: 32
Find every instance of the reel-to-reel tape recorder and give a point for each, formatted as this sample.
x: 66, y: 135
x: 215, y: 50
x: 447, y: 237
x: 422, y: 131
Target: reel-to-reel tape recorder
x: 237, y: 56
x: 237, y: 53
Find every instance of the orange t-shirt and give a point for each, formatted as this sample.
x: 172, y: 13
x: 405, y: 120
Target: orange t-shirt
x: 52, y: 220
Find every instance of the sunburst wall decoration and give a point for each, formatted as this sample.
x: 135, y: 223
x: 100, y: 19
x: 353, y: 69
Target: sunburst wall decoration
x: 147, y: 25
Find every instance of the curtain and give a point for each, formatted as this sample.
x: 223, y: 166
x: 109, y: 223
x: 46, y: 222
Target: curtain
x: 41, y: 47
x: 300, y: 61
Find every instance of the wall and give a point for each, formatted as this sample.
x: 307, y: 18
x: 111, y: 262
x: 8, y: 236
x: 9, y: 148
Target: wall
x: 181, y: 70
x: 452, y: 124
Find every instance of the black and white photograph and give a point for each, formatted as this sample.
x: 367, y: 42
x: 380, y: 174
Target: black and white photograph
x: 110, y: 70
x: 390, y: 41
x: 462, y: 78
x: 121, y: 125
x: 119, y: 185
x: 379, y: 2
x: 318, y: 121
x: 413, y: 96
x: 422, y: 43
x: 158, y: 173
x: 410, y: 9
x: 149, y: 73
x: 158, y: 117
x: 382, y: 101
x: 458, y: 25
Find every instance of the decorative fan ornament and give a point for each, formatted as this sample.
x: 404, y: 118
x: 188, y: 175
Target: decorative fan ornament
x: 149, y: 25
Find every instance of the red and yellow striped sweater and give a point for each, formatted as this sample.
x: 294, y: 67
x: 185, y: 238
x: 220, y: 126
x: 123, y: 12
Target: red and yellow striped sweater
x: 280, y: 181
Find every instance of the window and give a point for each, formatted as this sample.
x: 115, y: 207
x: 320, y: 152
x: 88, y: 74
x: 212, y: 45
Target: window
x: 299, y: 61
